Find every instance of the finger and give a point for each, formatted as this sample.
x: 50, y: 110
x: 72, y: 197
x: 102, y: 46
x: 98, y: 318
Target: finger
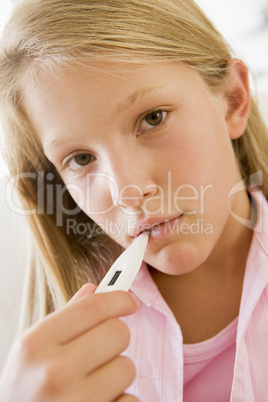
x: 85, y: 313
x: 113, y: 378
x: 96, y: 347
x: 108, y: 383
x: 87, y: 289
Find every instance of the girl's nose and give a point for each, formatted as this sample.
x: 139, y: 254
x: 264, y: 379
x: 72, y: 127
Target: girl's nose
x: 134, y: 195
x: 133, y: 184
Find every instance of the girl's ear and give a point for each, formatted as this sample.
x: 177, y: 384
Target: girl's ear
x: 237, y: 98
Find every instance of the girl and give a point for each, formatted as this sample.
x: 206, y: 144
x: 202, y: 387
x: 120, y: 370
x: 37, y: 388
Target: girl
x: 122, y: 116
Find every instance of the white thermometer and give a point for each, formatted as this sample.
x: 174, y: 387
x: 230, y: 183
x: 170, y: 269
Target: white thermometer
x: 124, y: 270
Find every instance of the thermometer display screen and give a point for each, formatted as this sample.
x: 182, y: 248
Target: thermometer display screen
x: 114, y: 278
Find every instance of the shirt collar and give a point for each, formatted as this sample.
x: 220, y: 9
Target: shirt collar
x: 256, y: 272
x: 147, y: 291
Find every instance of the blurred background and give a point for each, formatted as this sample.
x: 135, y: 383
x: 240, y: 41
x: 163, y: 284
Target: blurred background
x: 244, y: 23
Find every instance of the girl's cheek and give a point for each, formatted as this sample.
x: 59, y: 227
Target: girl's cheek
x: 94, y: 198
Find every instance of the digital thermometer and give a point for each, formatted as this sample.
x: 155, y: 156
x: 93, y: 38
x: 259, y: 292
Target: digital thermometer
x: 124, y: 270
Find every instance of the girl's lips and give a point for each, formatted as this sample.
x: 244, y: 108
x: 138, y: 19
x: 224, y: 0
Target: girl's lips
x: 165, y: 228
x: 159, y: 227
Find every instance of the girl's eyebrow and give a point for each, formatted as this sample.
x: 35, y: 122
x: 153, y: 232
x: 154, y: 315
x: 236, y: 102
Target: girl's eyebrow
x: 136, y: 95
x: 51, y: 143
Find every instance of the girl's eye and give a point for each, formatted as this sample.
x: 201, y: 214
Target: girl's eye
x: 152, y: 119
x: 80, y: 160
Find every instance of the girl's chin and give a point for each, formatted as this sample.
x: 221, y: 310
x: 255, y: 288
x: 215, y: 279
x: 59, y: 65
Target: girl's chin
x: 179, y: 258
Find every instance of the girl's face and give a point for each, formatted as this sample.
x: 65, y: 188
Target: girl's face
x: 143, y: 146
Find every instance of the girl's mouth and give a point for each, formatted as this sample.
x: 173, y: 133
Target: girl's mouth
x: 158, y: 227
x: 165, y: 228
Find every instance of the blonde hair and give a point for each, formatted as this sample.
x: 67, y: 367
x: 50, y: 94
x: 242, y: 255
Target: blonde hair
x: 43, y: 35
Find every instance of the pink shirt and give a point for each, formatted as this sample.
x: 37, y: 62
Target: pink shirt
x: 210, y: 362
x: 232, y: 366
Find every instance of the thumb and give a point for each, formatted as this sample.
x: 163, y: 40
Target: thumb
x: 88, y: 288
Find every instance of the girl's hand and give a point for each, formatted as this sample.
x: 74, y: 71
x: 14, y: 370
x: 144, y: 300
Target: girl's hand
x: 73, y: 354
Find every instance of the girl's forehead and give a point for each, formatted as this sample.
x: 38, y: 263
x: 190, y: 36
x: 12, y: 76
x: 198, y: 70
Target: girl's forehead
x: 108, y: 74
